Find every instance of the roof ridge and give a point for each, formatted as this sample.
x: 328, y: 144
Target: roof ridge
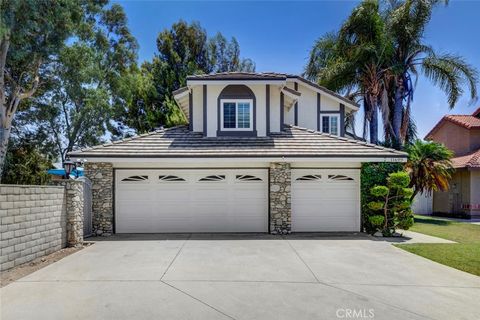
x: 345, y: 139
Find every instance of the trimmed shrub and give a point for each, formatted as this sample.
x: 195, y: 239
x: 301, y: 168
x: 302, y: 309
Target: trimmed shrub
x: 393, y: 202
x: 373, y: 174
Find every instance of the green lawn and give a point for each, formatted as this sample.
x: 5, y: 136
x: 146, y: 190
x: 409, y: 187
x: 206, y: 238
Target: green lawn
x: 464, y: 255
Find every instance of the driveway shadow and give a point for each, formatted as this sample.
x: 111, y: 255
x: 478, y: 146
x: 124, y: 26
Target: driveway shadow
x: 231, y: 236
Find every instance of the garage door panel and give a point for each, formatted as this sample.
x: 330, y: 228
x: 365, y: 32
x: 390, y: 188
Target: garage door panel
x: 164, y: 204
x: 321, y: 203
x: 339, y: 194
x: 133, y: 194
x: 176, y: 193
x: 241, y: 196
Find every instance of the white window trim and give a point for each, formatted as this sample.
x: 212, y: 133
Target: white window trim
x: 331, y: 115
x: 236, y: 101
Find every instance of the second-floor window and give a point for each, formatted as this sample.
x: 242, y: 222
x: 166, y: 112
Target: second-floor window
x: 330, y: 124
x: 236, y: 114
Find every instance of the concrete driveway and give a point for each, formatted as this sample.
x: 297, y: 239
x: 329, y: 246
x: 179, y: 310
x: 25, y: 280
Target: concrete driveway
x: 243, y: 277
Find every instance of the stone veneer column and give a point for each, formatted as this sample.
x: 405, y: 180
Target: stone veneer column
x: 101, y: 176
x: 280, y: 198
x: 74, y: 206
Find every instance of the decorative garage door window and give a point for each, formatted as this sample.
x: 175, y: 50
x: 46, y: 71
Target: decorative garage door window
x: 213, y: 178
x: 135, y: 178
x: 310, y: 177
x: 247, y: 177
x: 339, y: 177
x: 170, y: 178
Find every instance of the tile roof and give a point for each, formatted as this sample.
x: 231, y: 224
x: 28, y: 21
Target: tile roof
x: 292, y: 91
x: 232, y: 76
x: 466, y: 121
x: 179, y: 142
x: 471, y: 160
x: 476, y: 113
x: 239, y: 76
x: 180, y: 90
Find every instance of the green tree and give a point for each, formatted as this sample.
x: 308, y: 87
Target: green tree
x: 224, y: 56
x: 406, y: 22
x: 373, y: 174
x: 430, y: 167
x: 79, y: 101
x: 25, y: 164
x: 376, y: 56
x: 392, y: 207
x: 353, y: 61
x: 183, y: 50
x: 31, y: 35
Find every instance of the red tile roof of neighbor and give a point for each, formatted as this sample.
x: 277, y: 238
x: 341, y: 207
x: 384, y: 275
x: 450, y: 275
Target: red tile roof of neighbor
x: 467, y: 121
x: 471, y: 160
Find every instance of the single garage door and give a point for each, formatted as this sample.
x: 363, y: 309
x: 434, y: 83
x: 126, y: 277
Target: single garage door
x: 325, y: 200
x: 216, y: 200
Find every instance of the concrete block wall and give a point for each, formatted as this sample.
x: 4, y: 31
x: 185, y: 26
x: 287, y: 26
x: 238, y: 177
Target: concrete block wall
x: 33, y: 223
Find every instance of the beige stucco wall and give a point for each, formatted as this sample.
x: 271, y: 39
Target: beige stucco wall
x: 274, y: 108
x: 452, y: 200
x: 307, y: 107
x: 474, y: 139
x: 475, y: 192
x: 454, y: 137
x: 197, y: 113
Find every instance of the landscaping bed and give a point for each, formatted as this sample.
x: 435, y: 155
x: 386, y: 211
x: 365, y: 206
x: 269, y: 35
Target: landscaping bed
x: 463, y: 255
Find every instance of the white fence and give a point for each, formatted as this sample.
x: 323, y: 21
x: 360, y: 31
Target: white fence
x: 422, y: 204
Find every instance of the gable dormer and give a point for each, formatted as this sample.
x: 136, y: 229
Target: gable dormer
x: 257, y: 104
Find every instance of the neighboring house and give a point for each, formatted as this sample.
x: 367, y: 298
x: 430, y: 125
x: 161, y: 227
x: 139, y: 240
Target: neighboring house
x: 263, y: 152
x: 461, y: 134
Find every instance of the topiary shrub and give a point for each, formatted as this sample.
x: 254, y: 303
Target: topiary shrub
x: 376, y: 221
x: 392, y: 203
x: 373, y: 174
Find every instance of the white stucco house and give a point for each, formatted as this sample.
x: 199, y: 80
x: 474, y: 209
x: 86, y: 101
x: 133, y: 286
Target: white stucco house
x: 263, y: 152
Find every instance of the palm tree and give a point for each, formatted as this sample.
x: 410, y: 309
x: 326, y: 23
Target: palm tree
x: 430, y: 167
x: 406, y: 23
x: 376, y: 57
x: 352, y: 61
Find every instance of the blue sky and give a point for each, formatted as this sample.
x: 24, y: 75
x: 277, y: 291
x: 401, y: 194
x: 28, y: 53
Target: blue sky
x: 279, y: 35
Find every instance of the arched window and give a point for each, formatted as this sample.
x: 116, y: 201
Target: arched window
x: 237, y: 111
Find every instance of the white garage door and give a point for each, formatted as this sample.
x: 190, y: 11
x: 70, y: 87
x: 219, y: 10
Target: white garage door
x: 325, y: 200
x: 217, y: 200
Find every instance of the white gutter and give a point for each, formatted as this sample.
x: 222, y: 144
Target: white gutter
x: 240, y: 159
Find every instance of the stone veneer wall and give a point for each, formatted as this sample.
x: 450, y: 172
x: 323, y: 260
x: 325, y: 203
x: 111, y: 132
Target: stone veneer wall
x: 101, y: 176
x: 280, y: 198
x: 33, y: 222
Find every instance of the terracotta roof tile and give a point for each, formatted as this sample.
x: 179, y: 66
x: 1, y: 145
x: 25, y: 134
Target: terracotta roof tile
x: 471, y: 160
x: 467, y: 121
x: 476, y: 113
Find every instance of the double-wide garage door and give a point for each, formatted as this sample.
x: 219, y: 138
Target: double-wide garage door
x: 217, y: 200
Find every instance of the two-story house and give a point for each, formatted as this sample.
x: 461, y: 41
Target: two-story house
x: 461, y: 134
x: 263, y: 152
